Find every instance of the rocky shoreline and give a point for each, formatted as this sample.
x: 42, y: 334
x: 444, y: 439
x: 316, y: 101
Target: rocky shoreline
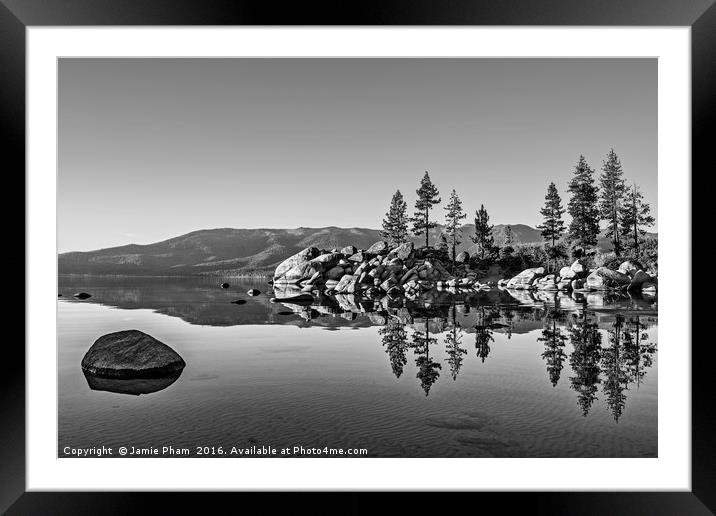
x: 403, y: 270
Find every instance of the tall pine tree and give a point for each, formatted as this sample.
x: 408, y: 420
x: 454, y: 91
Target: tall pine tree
x: 453, y: 219
x: 483, y: 238
x: 612, y: 191
x: 395, y: 223
x: 634, y: 215
x: 582, y: 206
x: 553, y: 226
x: 428, y: 196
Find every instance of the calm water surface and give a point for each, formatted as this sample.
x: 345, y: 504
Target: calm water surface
x: 498, y: 374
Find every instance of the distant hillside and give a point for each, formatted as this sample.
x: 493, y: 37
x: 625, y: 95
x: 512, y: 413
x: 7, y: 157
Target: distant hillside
x: 241, y: 251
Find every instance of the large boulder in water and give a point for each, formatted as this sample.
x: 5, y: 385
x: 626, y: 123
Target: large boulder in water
x: 297, y: 268
x: 81, y: 295
x: 606, y: 279
x: 526, y: 278
x: 131, y: 354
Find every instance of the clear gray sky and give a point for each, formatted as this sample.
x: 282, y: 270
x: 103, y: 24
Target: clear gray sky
x: 154, y: 148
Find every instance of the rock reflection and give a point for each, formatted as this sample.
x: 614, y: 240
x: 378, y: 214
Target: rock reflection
x: 133, y: 386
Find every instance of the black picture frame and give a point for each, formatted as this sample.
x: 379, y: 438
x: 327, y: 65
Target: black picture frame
x: 17, y: 15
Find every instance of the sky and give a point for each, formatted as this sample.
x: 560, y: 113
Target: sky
x: 150, y: 149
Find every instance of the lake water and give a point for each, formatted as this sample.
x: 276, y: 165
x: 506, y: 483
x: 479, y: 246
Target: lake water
x: 498, y: 374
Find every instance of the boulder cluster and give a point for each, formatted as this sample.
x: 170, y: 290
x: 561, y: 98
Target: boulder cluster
x: 404, y: 270
x: 381, y: 269
x: 629, y: 276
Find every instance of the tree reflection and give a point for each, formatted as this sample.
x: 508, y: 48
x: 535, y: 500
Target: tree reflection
x: 427, y: 368
x: 483, y: 333
x: 639, y: 353
x: 395, y: 340
x: 453, y: 340
x: 585, y: 358
x: 614, y: 368
x: 554, y: 342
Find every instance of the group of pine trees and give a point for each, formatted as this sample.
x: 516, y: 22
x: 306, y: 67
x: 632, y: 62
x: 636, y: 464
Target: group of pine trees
x: 395, y: 223
x: 621, y: 207
x: 612, y: 201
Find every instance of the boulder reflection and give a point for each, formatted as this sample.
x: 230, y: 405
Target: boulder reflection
x: 133, y: 386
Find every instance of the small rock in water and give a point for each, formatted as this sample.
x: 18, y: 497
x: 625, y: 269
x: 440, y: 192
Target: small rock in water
x: 131, y: 354
x: 239, y: 302
x: 224, y: 285
x: 59, y: 295
x: 82, y: 295
x: 254, y: 292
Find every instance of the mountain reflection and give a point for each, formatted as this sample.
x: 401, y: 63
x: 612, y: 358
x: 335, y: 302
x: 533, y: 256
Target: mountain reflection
x: 595, y: 344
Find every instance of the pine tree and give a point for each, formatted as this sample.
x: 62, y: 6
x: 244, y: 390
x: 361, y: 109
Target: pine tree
x: 582, y: 206
x: 633, y: 216
x: 483, y: 233
x: 452, y: 223
x: 553, y: 226
x: 427, y: 198
x: 612, y: 192
x: 395, y: 223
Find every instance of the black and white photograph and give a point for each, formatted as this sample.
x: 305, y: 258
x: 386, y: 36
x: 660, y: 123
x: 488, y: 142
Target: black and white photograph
x: 357, y: 257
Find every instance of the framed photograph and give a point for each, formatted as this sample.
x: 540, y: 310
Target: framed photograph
x: 406, y: 249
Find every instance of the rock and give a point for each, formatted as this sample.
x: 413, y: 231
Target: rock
x: 395, y: 290
x: 402, y: 252
x: 648, y: 287
x: 297, y: 267
x: 579, y: 268
x: 463, y: 257
x: 59, y: 295
x: 357, y: 257
x: 342, y: 285
x: 567, y: 273
x: 239, y: 302
x: 335, y: 273
x: 605, y: 279
x: 224, y: 285
x: 526, y: 278
x: 326, y: 261
x: 253, y: 292
x: 564, y: 284
x: 379, y: 247
x: 638, y: 278
x: 81, y: 295
x: 131, y: 354
x: 349, y: 250
x: 313, y: 279
x: 630, y: 267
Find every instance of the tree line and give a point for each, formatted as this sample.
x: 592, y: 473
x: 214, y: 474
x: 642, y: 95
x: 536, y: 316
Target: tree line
x: 619, y: 205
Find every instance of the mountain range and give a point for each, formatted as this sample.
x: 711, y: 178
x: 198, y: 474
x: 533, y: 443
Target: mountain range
x: 228, y: 251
